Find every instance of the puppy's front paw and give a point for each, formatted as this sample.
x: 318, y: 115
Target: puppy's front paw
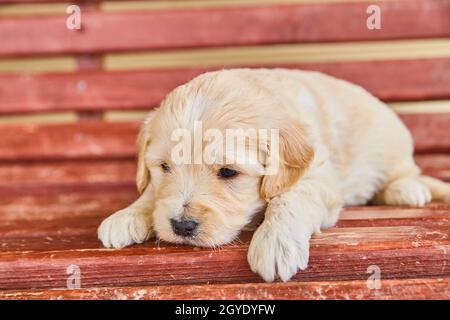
x: 123, y: 228
x: 274, y: 250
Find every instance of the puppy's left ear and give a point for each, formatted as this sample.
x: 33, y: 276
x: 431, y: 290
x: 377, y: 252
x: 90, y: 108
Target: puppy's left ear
x: 294, y: 156
x: 142, y: 173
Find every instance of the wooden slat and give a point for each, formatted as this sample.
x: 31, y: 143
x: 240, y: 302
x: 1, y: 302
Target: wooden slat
x: 33, y: 9
x: 389, y: 80
x: 73, y: 228
x: 27, y: 1
x: 278, y: 54
x: 40, y: 236
x: 430, y: 131
x: 128, y: 5
x: 89, y: 90
x: 66, y: 175
x: 50, y: 117
x: 114, y: 6
x: 85, y: 140
x: 223, y: 27
x: 63, y: 204
x: 400, y: 252
x: 97, y: 139
x: 107, y: 175
x: 358, y: 289
x: 52, y: 1
x: 435, y: 165
x: 44, y: 64
x: 409, y: 107
x: 69, y: 219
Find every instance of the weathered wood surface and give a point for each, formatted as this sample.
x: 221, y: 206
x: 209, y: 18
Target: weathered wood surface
x: 98, y: 139
x: 84, y: 140
x: 46, y: 227
x: 356, y: 289
x: 254, y: 24
x: 44, y: 231
x: 36, y: 255
x: 393, y: 80
x: 118, y: 174
x: 58, y: 181
x: 435, y: 165
x: 66, y: 175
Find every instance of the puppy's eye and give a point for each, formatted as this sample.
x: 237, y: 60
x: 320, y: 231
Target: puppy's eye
x: 227, y: 173
x: 165, y: 167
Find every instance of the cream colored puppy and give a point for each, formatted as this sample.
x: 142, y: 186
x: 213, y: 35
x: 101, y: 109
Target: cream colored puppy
x: 338, y: 145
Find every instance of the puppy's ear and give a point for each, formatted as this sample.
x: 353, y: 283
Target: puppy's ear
x: 294, y: 156
x: 143, y: 140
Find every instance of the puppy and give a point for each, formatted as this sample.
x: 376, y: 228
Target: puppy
x: 336, y: 145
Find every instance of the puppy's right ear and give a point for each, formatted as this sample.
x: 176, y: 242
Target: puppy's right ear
x: 142, y: 173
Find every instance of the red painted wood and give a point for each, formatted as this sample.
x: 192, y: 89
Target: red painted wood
x: 108, y: 175
x: 357, y: 289
x: 54, y: 204
x: 97, y: 139
x: 435, y: 165
x: 389, y: 80
x: 400, y: 252
x: 74, y: 228
x: 88, y: 90
x: 66, y: 175
x: 40, y: 236
x: 47, y: 1
x: 50, y: 209
x: 255, y: 24
x: 88, y: 140
x: 430, y: 131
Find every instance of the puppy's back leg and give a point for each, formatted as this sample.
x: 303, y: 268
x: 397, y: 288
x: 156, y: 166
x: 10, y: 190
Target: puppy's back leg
x: 404, y: 188
x: 440, y: 191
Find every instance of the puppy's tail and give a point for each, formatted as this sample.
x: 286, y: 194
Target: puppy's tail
x: 440, y: 191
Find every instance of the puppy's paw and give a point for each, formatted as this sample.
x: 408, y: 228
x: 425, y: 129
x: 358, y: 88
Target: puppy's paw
x: 407, y: 191
x: 123, y: 228
x: 275, y: 251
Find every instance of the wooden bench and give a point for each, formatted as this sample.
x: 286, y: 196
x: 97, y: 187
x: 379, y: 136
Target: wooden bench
x: 71, y: 101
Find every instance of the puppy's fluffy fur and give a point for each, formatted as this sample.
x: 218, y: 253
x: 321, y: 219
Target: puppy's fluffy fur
x: 339, y: 145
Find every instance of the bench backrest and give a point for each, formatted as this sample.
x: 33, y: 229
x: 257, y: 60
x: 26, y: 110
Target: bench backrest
x: 94, y: 83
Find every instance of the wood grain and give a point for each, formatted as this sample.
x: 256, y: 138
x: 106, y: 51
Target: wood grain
x: 223, y: 27
x: 429, y: 131
x: 38, y: 64
x: 88, y: 140
x: 435, y: 165
x: 119, y: 174
x: 59, y: 181
x: 389, y: 80
x: 64, y: 213
x: 400, y: 252
x: 99, y: 139
x: 41, y: 235
x: 279, y: 54
x: 357, y: 289
x: 66, y: 175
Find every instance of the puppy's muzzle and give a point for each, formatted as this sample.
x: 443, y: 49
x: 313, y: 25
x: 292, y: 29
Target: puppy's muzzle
x: 184, y: 228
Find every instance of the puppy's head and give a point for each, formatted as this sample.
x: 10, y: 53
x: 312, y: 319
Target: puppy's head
x: 205, y: 192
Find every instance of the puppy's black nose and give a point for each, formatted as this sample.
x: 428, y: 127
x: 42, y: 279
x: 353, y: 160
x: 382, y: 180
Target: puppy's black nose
x: 184, y: 228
